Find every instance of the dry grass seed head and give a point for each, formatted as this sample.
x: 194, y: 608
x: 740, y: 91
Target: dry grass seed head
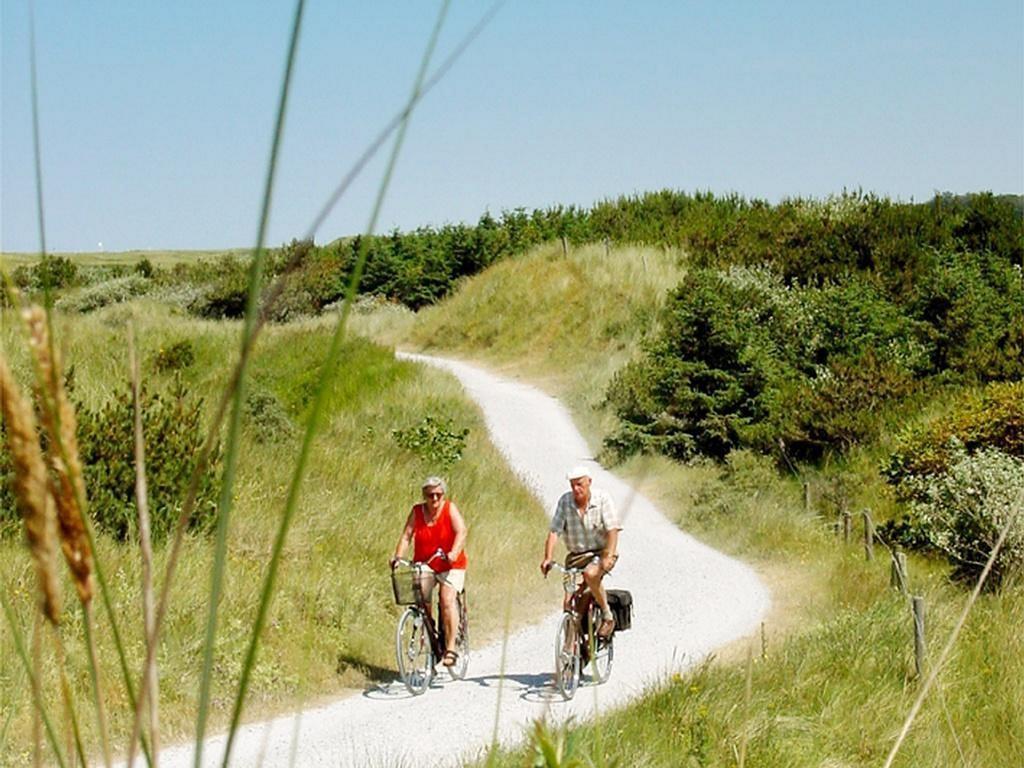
x: 66, y: 480
x: 31, y: 490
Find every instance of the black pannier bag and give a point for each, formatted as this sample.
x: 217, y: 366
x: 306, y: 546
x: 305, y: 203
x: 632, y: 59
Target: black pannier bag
x: 621, y: 603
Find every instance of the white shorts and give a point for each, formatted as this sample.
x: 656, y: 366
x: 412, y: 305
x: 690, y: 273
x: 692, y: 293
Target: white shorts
x: 455, y: 578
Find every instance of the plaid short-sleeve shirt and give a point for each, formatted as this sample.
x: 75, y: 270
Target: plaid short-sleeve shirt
x: 587, y: 532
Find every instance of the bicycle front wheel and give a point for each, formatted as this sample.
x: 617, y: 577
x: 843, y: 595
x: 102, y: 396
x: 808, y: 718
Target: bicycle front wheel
x: 413, y: 653
x: 567, y: 657
x: 602, y: 650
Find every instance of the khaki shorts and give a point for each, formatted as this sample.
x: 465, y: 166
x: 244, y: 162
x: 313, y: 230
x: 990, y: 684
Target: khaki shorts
x: 581, y: 559
x: 455, y: 578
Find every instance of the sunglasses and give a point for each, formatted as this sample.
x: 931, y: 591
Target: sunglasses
x: 434, y: 495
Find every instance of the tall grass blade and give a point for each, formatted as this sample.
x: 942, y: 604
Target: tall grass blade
x: 400, y: 119
x: 69, y: 704
x: 234, y: 427
x: 36, y: 152
x: 492, y: 752
x: 97, y: 685
x: 748, y: 689
x: 40, y: 705
x: 152, y: 699
x: 327, y: 372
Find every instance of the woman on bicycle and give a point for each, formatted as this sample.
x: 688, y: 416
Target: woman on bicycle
x: 436, y: 524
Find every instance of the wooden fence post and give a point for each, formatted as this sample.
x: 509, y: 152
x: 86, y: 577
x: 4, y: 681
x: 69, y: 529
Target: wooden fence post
x: 565, y: 245
x: 807, y: 498
x: 847, y: 525
x: 898, y: 571
x: 869, y: 536
x: 919, y: 647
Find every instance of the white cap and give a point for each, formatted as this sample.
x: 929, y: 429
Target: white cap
x: 577, y: 472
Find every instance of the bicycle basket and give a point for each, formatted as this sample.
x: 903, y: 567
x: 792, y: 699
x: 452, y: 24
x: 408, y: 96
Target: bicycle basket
x: 405, y: 583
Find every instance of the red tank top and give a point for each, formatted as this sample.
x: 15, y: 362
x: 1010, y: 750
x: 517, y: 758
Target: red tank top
x: 427, y: 539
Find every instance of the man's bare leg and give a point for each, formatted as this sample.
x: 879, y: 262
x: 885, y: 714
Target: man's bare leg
x: 593, y: 575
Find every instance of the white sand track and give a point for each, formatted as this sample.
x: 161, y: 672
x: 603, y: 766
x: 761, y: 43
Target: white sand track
x: 689, y: 599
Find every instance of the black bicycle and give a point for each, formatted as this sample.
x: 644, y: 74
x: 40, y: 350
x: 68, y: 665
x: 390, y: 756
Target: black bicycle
x: 577, y: 644
x: 419, y: 639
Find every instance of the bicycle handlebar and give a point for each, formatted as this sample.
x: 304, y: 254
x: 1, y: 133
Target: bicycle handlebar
x: 402, y: 561
x: 573, y: 571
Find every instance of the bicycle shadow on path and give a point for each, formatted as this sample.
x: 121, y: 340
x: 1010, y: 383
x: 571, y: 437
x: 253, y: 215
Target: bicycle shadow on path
x: 528, y: 686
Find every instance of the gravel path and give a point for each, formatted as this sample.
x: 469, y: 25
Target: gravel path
x: 688, y: 600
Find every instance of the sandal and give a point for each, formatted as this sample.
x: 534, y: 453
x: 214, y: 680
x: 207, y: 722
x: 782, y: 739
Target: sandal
x: 606, y: 629
x: 450, y: 658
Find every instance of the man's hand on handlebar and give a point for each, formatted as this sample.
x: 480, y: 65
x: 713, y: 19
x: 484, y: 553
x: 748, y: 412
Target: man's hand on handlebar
x: 545, y: 566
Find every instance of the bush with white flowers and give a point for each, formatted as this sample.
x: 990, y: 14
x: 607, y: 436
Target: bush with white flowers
x: 963, y: 510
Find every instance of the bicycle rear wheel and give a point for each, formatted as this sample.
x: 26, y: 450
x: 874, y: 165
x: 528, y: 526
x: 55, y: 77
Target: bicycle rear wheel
x: 458, y: 669
x: 567, y: 657
x: 602, y: 650
x: 413, y: 653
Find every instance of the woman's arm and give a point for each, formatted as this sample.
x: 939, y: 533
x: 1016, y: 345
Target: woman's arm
x: 460, y: 529
x: 404, y: 539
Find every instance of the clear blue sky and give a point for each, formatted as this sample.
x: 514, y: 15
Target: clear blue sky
x: 156, y: 117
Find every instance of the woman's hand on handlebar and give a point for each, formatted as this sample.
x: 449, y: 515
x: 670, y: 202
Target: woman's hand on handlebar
x: 396, y: 560
x: 545, y: 566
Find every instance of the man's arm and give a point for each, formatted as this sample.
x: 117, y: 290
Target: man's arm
x: 610, y: 552
x: 549, y: 550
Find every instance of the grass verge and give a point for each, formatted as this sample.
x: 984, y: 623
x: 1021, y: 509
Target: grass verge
x: 330, y: 624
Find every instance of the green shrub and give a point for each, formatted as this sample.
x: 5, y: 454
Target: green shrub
x: 840, y: 407
x: 174, y: 357
x: 112, y: 291
x: 434, y: 440
x: 971, y: 308
x: 173, y: 430
x: 10, y: 520
x: 743, y: 359
x: 144, y: 268
x: 54, y: 272
x: 267, y: 417
x: 700, y: 382
x: 994, y: 225
x: 989, y: 417
x: 227, y: 291
x: 962, y: 511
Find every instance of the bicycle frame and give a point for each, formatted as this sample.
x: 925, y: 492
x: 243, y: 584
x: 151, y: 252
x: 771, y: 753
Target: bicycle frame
x: 421, y: 614
x: 571, y: 638
x: 424, y: 604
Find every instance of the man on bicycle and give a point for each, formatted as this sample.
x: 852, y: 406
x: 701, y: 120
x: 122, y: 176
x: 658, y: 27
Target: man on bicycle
x: 434, y: 525
x: 587, y: 520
